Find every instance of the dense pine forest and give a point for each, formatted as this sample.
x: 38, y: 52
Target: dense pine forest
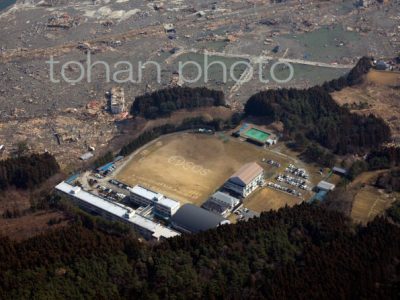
x: 389, y: 181
x: 384, y: 157
x: 163, y: 102
x: 27, y: 171
x: 314, y: 114
x: 304, y: 252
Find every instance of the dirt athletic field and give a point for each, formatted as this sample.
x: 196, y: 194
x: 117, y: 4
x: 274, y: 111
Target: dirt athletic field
x: 190, y: 167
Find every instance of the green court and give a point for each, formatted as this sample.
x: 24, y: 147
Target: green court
x: 258, y: 135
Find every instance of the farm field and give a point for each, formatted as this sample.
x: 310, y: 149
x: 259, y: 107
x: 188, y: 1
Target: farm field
x: 383, y: 78
x: 190, y: 167
x: 369, y: 203
x: 379, y: 96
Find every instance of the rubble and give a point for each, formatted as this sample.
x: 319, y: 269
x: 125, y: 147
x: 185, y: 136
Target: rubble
x: 63, y: 21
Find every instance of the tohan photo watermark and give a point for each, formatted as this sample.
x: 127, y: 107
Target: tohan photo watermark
x: 125, y: 72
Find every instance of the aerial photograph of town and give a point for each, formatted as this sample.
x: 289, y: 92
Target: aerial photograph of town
x: 182, y: 149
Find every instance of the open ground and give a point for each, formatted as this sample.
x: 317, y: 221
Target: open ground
x: 378, y: 95
x: 190, y: 167
x: 266, y: 199
x: 369, y: 201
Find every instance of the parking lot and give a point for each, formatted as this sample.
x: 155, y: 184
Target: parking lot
x: 104, y: 186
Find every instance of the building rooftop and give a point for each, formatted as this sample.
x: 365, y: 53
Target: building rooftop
x: 108, y: 206
x: 219, y: 208
x: 323, y: 185
x: 169, y: 203
x: 246, y: 174
x: 146, y: 193
x: 339, y: 170
x: 155, y: 197
x: 157, y: 229
x: 118, y: 210
x: 195, y: 219
x: 225, y: 198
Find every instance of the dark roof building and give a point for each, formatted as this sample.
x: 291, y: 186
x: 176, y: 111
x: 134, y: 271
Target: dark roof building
x: 381, y: 65
x: 218, y: 208
x: 192, y: 219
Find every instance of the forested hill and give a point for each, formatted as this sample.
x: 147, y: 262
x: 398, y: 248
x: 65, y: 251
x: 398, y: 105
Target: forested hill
x: 163, y: 102
x: 303, y: 252
x: 313, y: 113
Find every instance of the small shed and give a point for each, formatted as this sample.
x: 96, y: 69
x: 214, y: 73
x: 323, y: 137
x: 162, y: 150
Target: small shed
x: 340, y: 171
x: 325, y: 186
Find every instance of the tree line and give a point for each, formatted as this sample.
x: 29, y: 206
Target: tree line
x: 355, y: 76
x: 384, y: 157
x: 163, y: 102
x: 389, y: 181
x: 301, y: 252
x: 27, y: 172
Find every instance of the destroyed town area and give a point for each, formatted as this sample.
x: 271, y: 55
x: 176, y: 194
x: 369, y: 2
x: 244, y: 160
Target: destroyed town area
x: 322, y: 39
x: 218, y: 149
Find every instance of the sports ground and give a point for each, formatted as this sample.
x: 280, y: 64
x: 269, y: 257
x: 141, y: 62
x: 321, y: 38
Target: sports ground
x: 258, y: 135
x: 190, y: 167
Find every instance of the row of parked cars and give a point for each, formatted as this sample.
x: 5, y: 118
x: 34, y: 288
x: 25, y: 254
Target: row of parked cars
x: 273, y: 163
x: 118, y: 184
x: 292, y: 169
x: 293, y: 181
x: 284, y: 189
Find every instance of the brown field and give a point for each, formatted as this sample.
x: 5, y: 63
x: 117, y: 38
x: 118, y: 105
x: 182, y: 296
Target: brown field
x: 383, y: 77
x: 190, y: 167
x: 380, y: 91
x: 370, y: 202
x: 266, y: 199
x: 30, y: 225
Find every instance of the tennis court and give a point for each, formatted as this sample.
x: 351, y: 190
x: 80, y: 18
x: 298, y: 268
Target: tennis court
x: 258, y: 135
